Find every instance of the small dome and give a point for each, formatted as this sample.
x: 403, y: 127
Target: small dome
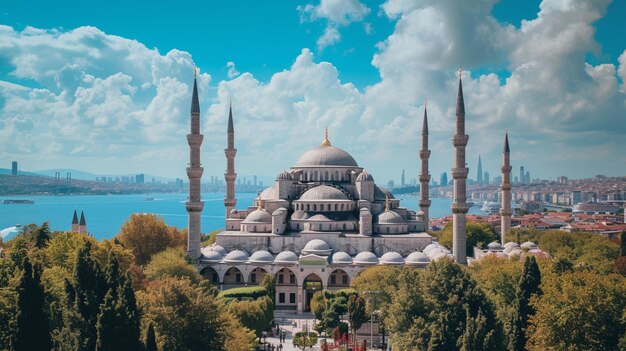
x: 515, y: 252
x: 279, y: 211
x: 236, y: 256
x: 365, y: 257
x: 538, y: 253
x: 268, y: 193
x: 390, y: 217
x: 341, y: 258
x: 316, y: 244
x: 261, y: 256
x: 529, y: 245
x: 215, y: 247
x: 511, y: 244
x: 391, y: 258
x: 416, y: 258
x: 286, y: 257
x: 319, y: 218
x: 364, y: 176
x: 430, y: 247
x: 433, y: 252
x: 326, y: 156
x: 258, y: 216
x: 323, y: 192
x: 233, y: 211
x: 299, y: 214
x: 284, y: 176
x: 438, y: 256
x: 494, y: 246
x: 501, y: 255
x: 211, y: 256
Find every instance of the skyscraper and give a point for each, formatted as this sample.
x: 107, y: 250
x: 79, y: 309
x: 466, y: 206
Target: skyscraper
x: 443, y: 180
x: 459, y: 174
x: 521, y: 174
x: 479, y: 172
x: 402, y: 184
x: 14, y: 168
x: 194, y: 172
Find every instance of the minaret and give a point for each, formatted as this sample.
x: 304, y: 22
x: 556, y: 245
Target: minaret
x: 424, y: 175
x: 505, y: 210
x: 75, y: 222
x: 194, y: 172
x: 82, y: 225
x: 459, y: 174
x: 230, y: 201
x: 479, y: 172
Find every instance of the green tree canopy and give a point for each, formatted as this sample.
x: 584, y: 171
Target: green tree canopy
x: 478, y: 235
x: 147, y: 234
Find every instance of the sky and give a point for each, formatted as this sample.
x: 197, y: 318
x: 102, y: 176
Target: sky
x: 105, y: 87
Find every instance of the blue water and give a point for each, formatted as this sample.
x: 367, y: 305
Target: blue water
x: 105, y: 214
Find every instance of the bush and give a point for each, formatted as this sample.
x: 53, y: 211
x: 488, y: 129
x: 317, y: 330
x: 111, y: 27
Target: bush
x: 248, y: 292
x: 171, y: 263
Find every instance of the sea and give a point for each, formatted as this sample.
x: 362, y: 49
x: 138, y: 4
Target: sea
x: 105, y: 214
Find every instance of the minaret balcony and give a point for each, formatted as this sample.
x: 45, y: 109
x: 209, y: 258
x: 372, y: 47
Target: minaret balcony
x: 460, y: 207
x: 460, y: 173
x: 230, y: 177
x: 506, y: 186
x: 194, y: 206
x: 460, y: 140
x: 195, y: 172
x: 506, y: 169
x: 195, y: 140
x: 506, y: 212
x: 424, y: 178
x: 424, y: 203
x: 424, y: 154
x: 230, y: 152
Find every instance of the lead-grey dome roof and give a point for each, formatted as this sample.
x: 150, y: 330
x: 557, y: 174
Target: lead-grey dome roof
x: 323, y: 192
x: 391, y: 258
x: 365, y: 257
x: 261, y: 256
x: 364, y: 176
x: 326, y: 156
x: 236, y: 256
x: 390, y: 217
x: 318, y: 247
x: 341, y: 258
x: 258, y: 216
x: 416, y: 258
x: 211, y: 256
x: 286, y: 257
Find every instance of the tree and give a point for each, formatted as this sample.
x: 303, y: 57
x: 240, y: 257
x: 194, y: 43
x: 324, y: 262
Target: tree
x: 33, y: 332
x: 528, y: 286
x: 171, y: 263
x: 622, y: 244
x: 302, y: 340
x: 187, y: 318
x: 151, y: 343
x: 42, y: 236
x: 578, y: 311
x: 269, y: 283
x: 356, y: 313
x: 147, y: 234
x: 318, y: 304
x: 255, y: 315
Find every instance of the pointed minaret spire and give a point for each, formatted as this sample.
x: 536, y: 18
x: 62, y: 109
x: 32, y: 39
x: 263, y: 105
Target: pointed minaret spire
x: 424, y: 177
x: 75, y: 223
x: 230, y: 176
x: 195, y: 204
x: 82, y: 225
x: 459, y: 174
x: 505, y: 209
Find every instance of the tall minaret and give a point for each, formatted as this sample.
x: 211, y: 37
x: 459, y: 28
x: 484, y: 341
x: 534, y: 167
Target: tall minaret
x: 505, y: 210
x: 459, y: 174
x: 194, y: 172
x: 424, y: 175
x: 82, y: 225
x: 230, y: 201
x: 479, y: 172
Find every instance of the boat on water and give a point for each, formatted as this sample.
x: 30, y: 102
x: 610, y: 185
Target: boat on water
x: 148, y: 199
x: 17, y: 202
x: 491, y: 207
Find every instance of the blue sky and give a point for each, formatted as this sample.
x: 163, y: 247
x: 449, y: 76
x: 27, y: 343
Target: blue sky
x: 105, y: 86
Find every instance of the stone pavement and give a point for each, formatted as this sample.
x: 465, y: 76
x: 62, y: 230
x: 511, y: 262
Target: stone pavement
x: 292, y: 323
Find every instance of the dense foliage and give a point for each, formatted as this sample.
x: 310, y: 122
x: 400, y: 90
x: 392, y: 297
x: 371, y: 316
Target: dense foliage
x: 146, y: 234
x: 478, y: 235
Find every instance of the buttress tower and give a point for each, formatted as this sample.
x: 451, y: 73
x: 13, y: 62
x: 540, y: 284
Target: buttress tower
x: 230, y: 201
x: 459, y: 174
x: 505, y: 209
x: 195, y: 204
x: 424, y: 174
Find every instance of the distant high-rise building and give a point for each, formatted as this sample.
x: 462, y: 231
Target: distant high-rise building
x: 140, y: 178
x: 443, y: 180
x: 14, y: 168
x: 254, y: 181
x: 479, y: 172
x: 486, y: 177
x: 527, y: 177
x: 402, y: 184
x: 515, y: 180
x: 521, y: 174
x: 391, y: 184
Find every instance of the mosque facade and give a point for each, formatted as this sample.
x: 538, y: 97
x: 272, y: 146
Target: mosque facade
x: 322, y: 222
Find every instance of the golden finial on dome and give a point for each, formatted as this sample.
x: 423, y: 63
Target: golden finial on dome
x: 386, y: 202
x: 326, y: 142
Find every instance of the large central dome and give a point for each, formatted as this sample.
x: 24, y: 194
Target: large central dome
x: 326, y: 156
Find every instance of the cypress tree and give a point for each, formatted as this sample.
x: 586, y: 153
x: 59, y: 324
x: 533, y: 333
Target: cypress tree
x: 151, y: 344
x: 112, y: 273
x: 33, y: 330
x: 129, y: 315
x: 528, y: 285
x: 622, y: 241
x: 108, y: 328
x: 42, y: 236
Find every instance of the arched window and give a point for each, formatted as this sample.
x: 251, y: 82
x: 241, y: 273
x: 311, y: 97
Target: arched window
x: 336, y: 175
x: 326, y: 175
x: 314, y: 207
x: 315, y: 176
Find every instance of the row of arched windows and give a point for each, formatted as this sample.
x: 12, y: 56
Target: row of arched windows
x: 346, y: 206
x: 332, y: 176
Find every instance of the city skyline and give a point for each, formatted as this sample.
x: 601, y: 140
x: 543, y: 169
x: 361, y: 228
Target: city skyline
x: 86, y: 91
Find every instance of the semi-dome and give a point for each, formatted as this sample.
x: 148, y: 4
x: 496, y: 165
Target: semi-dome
x: 341, y: 258
x: 390, y: 217
x: 211, y: 256
x: 322, y: 193
x: 261, y: 256
x: 365, y: 257
x: 319, y: 218
x: 326, y: 156
x: 382, y: 194
x: 494, y: 246
x: 417, y: 258
x: 391, y: 258
x: 286, y: 257
x: 284, y: 176
x: 364, y: 176
x: 317, y: 247
x: 236, y: 256
x: 258, y: 216
x: 268, y: 193
x: 215, y: 247
x: 299, y: 214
